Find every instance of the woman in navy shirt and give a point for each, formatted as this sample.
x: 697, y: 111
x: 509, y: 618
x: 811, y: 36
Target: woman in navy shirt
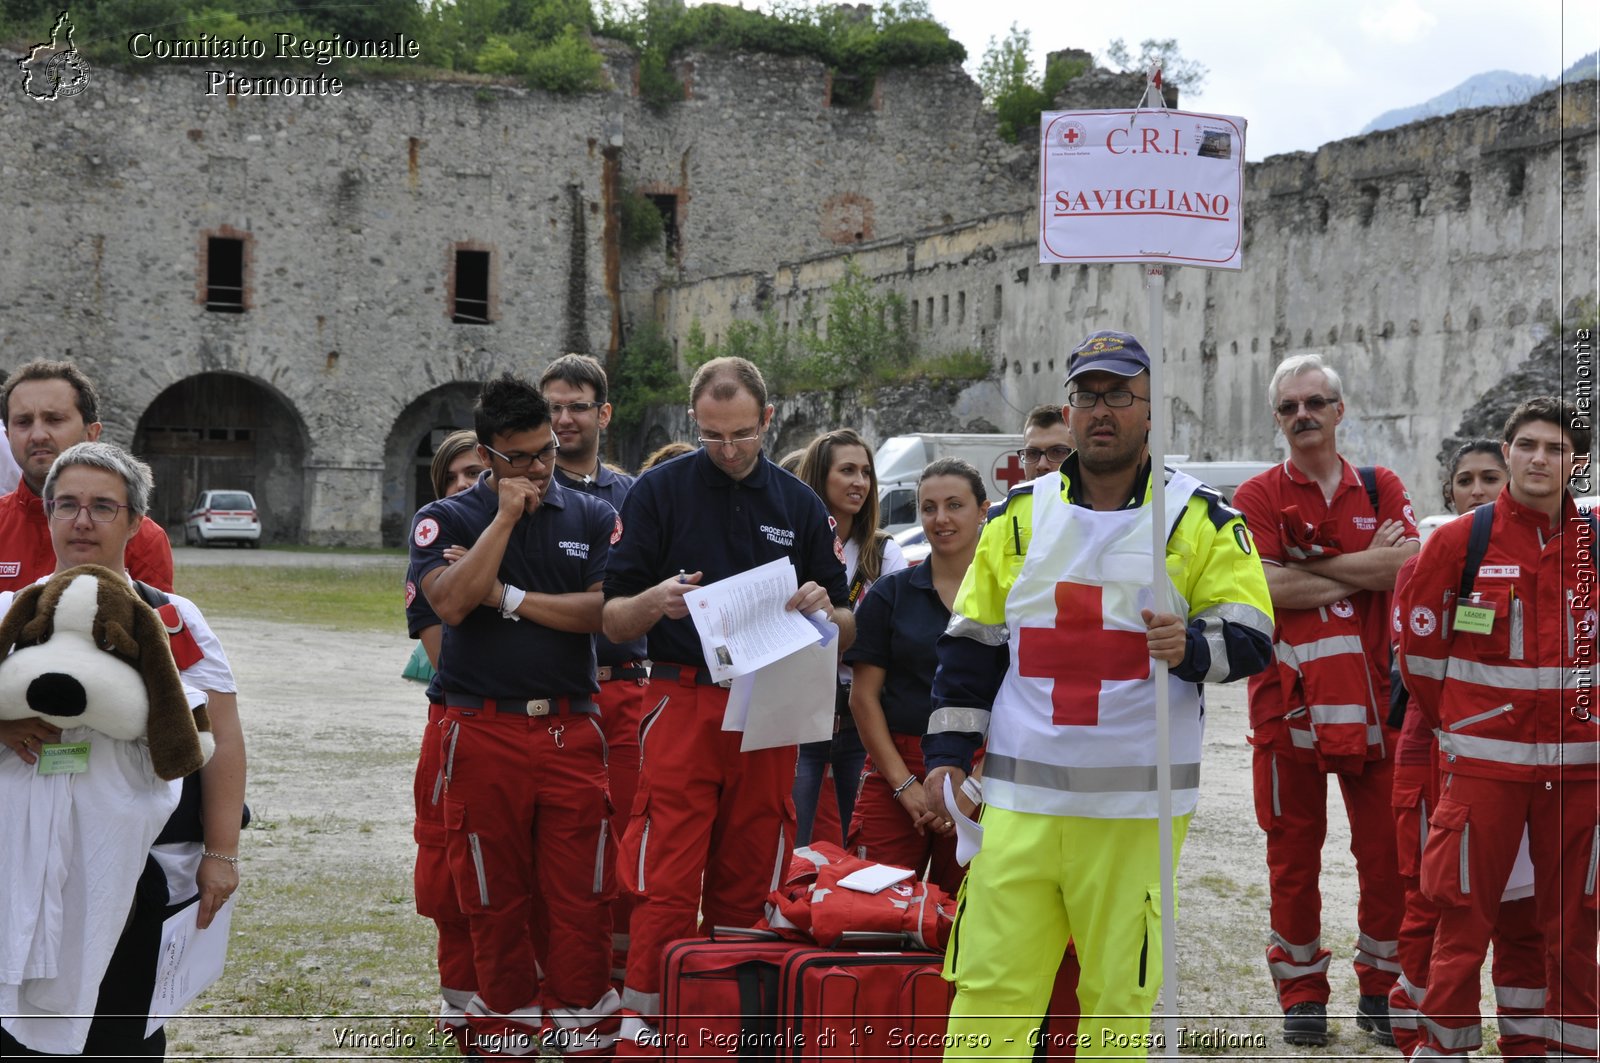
x: 894, y: 658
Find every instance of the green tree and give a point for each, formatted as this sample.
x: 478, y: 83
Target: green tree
x: 1186, y: 74
x: 1010, y: 85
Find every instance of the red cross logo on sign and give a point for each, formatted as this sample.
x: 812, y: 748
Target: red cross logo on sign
x: 1079, y: 653
x: 1007, y: 472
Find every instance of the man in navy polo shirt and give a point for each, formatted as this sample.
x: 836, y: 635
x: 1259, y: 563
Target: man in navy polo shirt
x: 575, y: 387
x: 525, y: 778
x: 705, y: 812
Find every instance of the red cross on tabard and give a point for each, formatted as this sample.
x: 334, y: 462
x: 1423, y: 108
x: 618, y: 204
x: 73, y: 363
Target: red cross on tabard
x: 1008, y: 473
x: 1079, y: 653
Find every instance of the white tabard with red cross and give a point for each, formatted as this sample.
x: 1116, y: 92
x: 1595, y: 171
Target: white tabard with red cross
x: 1073, y: 732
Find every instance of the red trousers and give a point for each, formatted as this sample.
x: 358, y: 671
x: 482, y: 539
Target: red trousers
x: 527, y: 827
x: 1291, y: 798
x: 880, y: 829
x: 1472, y: 843
x: 711, y: 830
x: 622, y: 703
x: 1518, y: 971
x: 434, y: 888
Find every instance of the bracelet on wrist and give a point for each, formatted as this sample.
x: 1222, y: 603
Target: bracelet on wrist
x: 224, y: 857
x: 903, y: 787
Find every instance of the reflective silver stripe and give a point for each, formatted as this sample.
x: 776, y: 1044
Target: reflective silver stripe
x: 1081, y: 779
x: 1277, y: 807
x: 780, y: 863
x: 1326, y: 715
x: 1375, y: 947
x: 1295, y: 654
x: 1424, y: 1052
x: 1516, y: 648
x: 644, y: 843
x: 1510, y: 996
x: 805, y: 852
x: 1522, y: 1025
x: 988, y: 634
x: 1594, y: 864
x: 1410, y: 989
x: 1211, y: 632
x: 450, y: 757
x: 1571, y: 1035
x: 1283, y: 972
x: 1302, y: 739
x: 605, y: 747
x: 1516, y: 677
x: 648, y: 722
x: 1456, y: 1038
x: 643, y: 1003
x: 1298, y: 953
x: 1406, y: 1018
x: 1529, y: 754
x: 1372, y: 961
x: 1426, y: 667
x: 1243, y: 615
x: 438, y: 785
x: 954, y: 718
x: 477, y: 865
x: 600, y: 857
x: 1466, y: 834
x: 1480, y: 717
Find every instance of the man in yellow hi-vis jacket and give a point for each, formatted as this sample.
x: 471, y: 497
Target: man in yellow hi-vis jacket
x: 1047, y: 661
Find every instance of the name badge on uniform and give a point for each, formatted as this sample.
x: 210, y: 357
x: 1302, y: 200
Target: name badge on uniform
x: 63, y: 758
x: 1476, y: 617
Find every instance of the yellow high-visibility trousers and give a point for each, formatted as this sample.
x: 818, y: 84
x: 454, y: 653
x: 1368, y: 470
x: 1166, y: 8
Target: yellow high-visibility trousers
x: 1038, y: 882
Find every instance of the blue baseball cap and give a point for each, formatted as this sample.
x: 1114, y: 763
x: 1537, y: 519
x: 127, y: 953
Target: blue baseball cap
x: 1108, y: 352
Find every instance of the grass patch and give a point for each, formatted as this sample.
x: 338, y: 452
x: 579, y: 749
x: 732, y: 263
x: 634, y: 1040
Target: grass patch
x: 369, y: 598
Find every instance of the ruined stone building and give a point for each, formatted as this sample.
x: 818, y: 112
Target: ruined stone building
x: 299, y: 296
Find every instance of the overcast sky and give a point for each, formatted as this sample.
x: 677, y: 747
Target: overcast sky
x: 1304, y: 72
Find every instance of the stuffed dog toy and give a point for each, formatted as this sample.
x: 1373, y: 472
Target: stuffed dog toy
x: 84, y: 652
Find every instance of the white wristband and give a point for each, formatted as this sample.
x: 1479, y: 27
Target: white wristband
x: 510, y: 598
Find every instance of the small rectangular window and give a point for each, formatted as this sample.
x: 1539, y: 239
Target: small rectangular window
x: 961, y: 308
x: 667, y: 207
x: 944, y: 310
x: 224, y: 275
x: 471, y: 288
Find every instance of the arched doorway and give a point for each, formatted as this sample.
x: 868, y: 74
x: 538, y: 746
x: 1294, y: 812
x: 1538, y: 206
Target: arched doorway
x: 220, y: 431
x: 408, y: 451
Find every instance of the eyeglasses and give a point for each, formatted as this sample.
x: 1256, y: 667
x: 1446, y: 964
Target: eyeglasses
x: 559, y: 408
x: 544, y: 456
x: 1117, y: 399
x: 1315, y: 404
x: 1031, y: 455
x: 69, y: 508
x: 739, y: 442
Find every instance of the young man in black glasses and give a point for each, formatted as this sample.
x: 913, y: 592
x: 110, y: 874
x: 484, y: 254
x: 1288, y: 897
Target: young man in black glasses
x: 1332, y: 537
x: 575, y: 386
x: 1046, y: 441
x: 525, y: 805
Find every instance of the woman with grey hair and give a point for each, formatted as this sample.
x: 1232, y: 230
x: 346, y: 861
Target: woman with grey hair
x: 95, y: 495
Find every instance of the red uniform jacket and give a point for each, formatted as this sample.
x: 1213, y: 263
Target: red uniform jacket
x: 26, y: 554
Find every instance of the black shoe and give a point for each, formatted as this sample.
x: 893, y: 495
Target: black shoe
x: 1306, y: 1023
x: 1372, y: 1015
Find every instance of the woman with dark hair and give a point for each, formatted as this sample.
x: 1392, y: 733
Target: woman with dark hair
x: 456, y: 467
x: 894, y: 660
x: 838, y: 466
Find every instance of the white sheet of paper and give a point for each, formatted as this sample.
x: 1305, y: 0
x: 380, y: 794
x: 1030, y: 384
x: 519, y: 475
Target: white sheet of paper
x: 969, y: 832
x: 742, y: 622
x: 876, y: 878
x: 191, y: 959
x: 787, y: 702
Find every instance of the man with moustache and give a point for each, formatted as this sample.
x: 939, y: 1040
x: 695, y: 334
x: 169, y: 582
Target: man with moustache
x: 1331, y: 557
x: 48, y: 407
x: 1047, y: 661
x: 525, y: 806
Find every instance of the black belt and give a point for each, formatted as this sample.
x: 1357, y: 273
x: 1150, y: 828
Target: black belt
x: 627, y: 670
x: 579, y: 706
x: 686, y: 675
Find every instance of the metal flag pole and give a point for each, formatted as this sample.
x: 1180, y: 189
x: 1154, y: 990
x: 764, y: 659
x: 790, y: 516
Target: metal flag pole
x: 1155, y: 290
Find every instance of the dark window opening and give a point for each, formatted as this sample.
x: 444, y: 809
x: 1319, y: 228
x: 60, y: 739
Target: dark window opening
x: 852, y: 90
x: 1516, y: 177
x: 472, y: 288
x: 668, y: 206
x: 224, y: 275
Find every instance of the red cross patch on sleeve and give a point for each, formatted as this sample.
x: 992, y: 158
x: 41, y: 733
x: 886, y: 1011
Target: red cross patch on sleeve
x: 616, y: 532
x: 185, y: 650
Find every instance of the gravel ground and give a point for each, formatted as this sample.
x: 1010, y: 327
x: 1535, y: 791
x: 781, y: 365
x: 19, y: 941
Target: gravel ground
x: 326, y: 931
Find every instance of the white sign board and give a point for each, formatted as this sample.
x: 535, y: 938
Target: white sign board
x: 1141, y: 186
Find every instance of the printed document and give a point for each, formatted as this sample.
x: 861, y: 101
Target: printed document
x: 742, y: 621
x: 191, y: 959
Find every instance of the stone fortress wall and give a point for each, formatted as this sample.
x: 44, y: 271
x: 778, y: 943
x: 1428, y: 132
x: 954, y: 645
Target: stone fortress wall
x: 1419, y: 259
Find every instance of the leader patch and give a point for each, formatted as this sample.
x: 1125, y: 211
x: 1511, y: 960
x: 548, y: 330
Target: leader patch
x: 427, y: 531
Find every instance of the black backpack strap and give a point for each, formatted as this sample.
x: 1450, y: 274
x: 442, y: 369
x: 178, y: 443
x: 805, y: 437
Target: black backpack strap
x: 1369, y: 480
x: 154, y: 597
x: 1477, y: 547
